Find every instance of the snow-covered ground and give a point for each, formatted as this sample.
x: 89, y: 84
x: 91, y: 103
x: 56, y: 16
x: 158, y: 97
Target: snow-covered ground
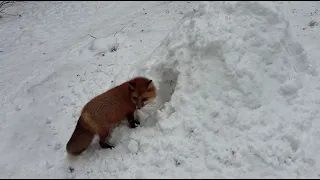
x: 238, y: 88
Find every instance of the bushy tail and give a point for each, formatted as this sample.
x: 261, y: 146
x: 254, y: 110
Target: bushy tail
x: 80, y: 139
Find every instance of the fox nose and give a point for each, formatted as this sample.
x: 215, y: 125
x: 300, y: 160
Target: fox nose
x: 138, y: 105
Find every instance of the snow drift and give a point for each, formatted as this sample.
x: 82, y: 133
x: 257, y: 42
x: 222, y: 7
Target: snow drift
x: 235, y: 76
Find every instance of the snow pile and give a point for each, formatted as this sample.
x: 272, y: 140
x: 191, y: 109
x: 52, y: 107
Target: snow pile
x: 235, y: 76
x: 105, y: 45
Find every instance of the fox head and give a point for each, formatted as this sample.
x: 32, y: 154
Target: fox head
x: 142, y: 91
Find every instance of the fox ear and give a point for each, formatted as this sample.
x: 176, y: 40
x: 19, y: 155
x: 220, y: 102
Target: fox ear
x: 132, y: 86
x: 148, y: 83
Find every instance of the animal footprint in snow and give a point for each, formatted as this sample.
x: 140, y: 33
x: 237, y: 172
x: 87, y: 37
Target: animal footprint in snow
x: 49, y: 120
x: 57, y: 146
x: 18, y: 107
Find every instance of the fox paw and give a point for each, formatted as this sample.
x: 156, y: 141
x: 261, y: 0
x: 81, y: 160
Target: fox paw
x: 134, y: 124
x: 106, y: 146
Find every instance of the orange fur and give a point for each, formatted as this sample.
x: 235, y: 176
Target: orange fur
x: 106, y: 111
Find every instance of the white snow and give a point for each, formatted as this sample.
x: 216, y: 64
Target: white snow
x: 238, y: 88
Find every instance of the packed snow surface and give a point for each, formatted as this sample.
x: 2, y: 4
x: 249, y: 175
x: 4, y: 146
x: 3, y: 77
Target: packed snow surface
x: 238, y: 89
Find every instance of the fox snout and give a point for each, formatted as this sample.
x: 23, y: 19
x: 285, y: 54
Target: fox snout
x: 139, y: 105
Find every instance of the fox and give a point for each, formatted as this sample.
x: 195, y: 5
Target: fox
x: 106, y: 111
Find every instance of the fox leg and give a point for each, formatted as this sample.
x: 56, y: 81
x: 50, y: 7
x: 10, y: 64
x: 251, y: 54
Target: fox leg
x: 102, y: 141
x: 133, y: 123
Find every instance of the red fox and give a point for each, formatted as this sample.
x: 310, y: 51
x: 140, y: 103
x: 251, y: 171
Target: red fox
x: 105, y: 111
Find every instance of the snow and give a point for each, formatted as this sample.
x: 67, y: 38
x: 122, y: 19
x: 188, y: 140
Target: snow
x: 238, y: 86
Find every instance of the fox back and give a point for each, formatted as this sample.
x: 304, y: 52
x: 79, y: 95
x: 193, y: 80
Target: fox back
x: 112, y: 106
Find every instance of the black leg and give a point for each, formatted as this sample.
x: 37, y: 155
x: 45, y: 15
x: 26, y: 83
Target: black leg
x: 102, y: 142
x: 105, y: 145
x: 132, y: 122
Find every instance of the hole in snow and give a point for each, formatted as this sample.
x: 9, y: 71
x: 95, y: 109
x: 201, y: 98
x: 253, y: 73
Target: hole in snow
x: 71, y: 169
x: 167, y: 85
x: 114, y: 48
x: 176, y: 162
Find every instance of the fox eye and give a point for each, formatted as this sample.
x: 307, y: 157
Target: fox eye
x: 135, y: 98
x: 145, y: 99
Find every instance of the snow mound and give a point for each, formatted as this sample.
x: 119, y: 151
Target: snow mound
x: 107, y: 45
x: 228, y: 75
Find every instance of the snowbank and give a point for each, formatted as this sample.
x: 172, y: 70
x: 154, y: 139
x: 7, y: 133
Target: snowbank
x: 231, y: 80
